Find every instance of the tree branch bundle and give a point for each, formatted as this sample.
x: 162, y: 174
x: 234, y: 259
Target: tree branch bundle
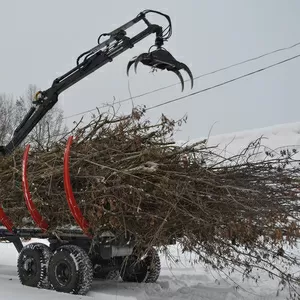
x: 128, y: 176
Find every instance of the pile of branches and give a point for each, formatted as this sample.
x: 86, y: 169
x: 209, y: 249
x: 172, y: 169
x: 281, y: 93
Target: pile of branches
x: 128, y: 176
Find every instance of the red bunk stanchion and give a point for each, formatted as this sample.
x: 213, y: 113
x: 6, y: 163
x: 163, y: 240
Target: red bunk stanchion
x: 36, y: 216
x: 5, y: 220
x: 74, y: 208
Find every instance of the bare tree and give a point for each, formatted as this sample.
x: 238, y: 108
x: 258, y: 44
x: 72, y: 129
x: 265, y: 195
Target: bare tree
x: 50, y: 129
x: 6, y: 117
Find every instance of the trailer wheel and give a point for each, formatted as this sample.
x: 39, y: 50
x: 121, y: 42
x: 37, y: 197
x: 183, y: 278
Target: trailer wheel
x: 71, y: 270
x: 32, y: 265
x: 145, y: 270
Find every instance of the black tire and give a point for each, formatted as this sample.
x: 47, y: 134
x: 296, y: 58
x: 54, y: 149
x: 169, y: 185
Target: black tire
x: 154, y: 266
x: 32, y: 265
x: 133, y: 270
x: 145, y: 270
x: 71, y: 270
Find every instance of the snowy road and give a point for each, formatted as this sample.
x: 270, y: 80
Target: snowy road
x: 186, y: 284
x: 180, y: 282
x: 177, y: 281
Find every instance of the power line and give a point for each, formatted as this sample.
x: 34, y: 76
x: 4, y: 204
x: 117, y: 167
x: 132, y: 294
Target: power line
x: 195, y: 78
x: 223, y: 83
x: 215, y: 86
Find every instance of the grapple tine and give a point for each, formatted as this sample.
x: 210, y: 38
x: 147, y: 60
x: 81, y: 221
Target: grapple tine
x: 130, y: 63
x: 180, y: 77
x: 163, y: 60
x: 139, y: 59
x: 187, y: 69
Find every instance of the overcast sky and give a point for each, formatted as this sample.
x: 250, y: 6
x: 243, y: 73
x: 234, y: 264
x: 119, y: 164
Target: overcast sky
x: 41, y: 40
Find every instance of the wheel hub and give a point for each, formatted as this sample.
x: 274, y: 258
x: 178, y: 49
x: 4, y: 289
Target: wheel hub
x: 63, y: 273
x: 30, y: 267
x: 138, y: 268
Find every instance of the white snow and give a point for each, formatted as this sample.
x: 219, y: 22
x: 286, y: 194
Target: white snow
x: 274, y: 137
x: 181, y: 280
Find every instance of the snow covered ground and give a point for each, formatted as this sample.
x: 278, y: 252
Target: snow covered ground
x: 181, y: 280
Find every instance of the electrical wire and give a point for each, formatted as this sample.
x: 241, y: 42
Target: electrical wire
x: 215, y: 86
x: 223, y: 83
x: 195, y: 78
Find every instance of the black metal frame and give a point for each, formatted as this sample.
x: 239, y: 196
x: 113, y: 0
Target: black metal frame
x: 95, y: 58
x: 73, y: 236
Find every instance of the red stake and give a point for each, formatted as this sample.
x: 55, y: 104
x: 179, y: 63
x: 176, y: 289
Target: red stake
x: 41, y: 223
x: 74, y: 208
x: 5, y: 220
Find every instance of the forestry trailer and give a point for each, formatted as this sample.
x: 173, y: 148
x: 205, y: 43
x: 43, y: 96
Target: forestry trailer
x: 74, y: 257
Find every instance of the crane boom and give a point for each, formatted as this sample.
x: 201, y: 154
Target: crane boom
x: 93, y: 59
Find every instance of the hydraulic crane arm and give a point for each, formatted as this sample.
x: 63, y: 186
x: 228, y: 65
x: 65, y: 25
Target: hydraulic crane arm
x: 93, y: 59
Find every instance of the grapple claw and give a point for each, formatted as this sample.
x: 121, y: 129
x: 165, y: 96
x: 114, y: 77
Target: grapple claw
x: 187, y: 69
x: 180, y: 77
x: 163, y: 60
x: 141, y: 58
x: 130, y: 63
